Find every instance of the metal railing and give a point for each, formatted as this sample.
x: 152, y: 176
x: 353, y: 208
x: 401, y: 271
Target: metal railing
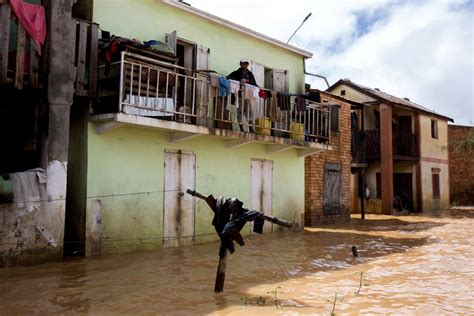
x: 150, y: 87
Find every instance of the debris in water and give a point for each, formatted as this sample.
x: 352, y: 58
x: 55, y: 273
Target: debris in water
x: 354, y: 251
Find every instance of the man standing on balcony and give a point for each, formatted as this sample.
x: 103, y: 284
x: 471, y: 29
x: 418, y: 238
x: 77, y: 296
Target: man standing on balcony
x: 243, y: 74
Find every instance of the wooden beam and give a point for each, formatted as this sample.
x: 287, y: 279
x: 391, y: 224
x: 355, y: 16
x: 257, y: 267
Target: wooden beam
x: 177, y: 137
x: 20, y: 56
x: 273, y: 149
x: 101, y: 128
x: 34, y: 62
x: 235, y: 143
x: 93, y: 60
x: 5, y: 11
x: 81, y: 58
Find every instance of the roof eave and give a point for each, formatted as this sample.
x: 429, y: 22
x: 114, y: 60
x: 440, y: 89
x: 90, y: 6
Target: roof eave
x: 238, y: 28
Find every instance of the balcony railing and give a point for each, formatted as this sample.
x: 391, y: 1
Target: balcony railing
x: 152, y: 88
x: 404, y: 144
x: 20, y: 63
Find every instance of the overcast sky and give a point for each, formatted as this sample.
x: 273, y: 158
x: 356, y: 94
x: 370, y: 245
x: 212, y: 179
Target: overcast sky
x: 422, y: 50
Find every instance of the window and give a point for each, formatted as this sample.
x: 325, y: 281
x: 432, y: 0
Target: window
x: 434, y: 129
x: 343, y: 92
x: 435, y: 182
x: 378, y: 184
x: 334, y: 118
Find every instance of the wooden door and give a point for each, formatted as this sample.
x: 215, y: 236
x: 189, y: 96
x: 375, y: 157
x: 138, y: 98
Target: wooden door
x: 262, y: 188
x: 332, y: 195
x: 404, y: 124
x: 258, y: 71
x: 280, y: 80
x: 178, y: 219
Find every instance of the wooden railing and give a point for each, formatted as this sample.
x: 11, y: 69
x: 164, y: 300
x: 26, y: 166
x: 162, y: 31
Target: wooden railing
x: 358, y: 147
x: 20, y: 63
x: 152, y: 88
x: 13, y: 61
x: 404, y: 144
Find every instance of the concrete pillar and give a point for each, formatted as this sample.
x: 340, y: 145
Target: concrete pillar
x: 418, y: 188
x: 60, y: 98
x: 386, y: 158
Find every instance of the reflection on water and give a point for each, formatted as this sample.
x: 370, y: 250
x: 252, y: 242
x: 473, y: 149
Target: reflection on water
x: 410, y: 265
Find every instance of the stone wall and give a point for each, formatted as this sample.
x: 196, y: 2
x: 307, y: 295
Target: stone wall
x: 314, y: 169
x: 461, y: 165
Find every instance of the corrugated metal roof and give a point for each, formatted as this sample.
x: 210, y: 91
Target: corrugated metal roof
x: 378, y: 94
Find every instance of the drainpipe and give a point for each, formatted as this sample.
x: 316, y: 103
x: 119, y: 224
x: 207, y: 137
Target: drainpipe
x: 318, y: 76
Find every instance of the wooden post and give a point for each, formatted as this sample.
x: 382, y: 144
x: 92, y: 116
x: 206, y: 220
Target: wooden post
x: 362, y: 198
x: 20, y: 56
x: 220, y: 274
x: 4, y: 39
x: 386, y: 157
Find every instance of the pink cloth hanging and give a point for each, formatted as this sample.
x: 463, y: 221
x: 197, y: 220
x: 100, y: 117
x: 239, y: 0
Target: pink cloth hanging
x: 33, y: 18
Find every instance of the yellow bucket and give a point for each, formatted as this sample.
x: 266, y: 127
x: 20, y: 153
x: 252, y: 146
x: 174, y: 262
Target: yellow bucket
x: 263, y: 125
x: 297, y: 131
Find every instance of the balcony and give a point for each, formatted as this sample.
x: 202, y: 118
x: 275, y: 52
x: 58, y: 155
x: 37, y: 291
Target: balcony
x: 190, y: 104
x: 359, y: 148
x: 404, y: 145
x: 21, y: 64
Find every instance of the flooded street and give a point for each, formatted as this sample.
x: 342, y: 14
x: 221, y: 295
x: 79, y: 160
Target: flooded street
x: 407, y: 265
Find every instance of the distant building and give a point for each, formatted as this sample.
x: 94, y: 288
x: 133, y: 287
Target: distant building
x: 400, y: 152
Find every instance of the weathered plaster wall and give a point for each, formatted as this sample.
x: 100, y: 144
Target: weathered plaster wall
x: 434, y: 154
x: 461, y: 165
x: 126, y: 162
x: 151, y: 19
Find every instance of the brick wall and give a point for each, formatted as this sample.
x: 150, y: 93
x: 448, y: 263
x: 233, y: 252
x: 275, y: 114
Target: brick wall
x: 461, y: 166
x: 314, y: 169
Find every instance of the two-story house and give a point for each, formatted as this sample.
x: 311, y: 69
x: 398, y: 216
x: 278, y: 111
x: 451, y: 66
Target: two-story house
x: 400, y: 152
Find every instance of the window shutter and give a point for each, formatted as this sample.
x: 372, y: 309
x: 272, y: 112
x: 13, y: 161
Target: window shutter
x: 258, y: 71
x: 334, y: 118
x: 280, y: 80
x: 436, y: 189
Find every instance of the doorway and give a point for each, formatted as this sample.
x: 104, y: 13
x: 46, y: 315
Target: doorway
x: 262, y: 188
x: 403, y: 187
x: 179, y: 208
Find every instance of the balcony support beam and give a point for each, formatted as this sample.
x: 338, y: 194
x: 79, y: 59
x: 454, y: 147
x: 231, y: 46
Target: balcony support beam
x: 307, y: 152
x: 273, y: 149
x: 106, y: 126
x: 177, y: 137
x: 235, y: 143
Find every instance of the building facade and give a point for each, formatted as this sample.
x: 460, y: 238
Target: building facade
x: 461, y: 166
x: 404, y: 165
x: 328, y: 173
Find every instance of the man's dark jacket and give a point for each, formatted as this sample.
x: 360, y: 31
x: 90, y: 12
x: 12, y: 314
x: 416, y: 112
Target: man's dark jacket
x: 238, y: 75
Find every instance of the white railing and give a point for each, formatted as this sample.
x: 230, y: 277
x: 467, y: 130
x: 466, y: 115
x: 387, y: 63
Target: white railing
x: 153, y: 88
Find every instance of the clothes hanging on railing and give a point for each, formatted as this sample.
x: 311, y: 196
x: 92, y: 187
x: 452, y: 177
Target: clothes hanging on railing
x: 33, y: 19
x: 251, y: 95
x: 284, y: 102
x: 300, y: 104
x: 224, y: 88
x: 234, y: 87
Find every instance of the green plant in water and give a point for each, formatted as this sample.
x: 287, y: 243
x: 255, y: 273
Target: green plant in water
x: 334, y: 303
x: 245, y: 301
x: 360, y: 282
x: 275, y: 295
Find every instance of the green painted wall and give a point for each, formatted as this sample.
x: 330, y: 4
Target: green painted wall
x: 151, y: 19
x: 130, y: 160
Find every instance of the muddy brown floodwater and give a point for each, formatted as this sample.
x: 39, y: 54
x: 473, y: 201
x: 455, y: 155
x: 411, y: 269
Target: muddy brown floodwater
x: 409, y: 265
